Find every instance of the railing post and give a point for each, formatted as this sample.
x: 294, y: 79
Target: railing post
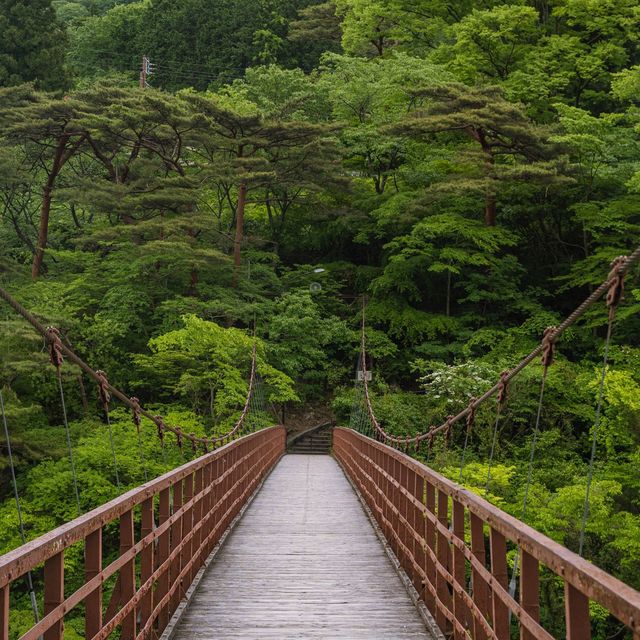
x: 444, y: 556
x: 176, y: 539
x: 417, y: 488
x: 577, y: 613
x: 480, y: 591
x: 54, y: 593
x: 128, y: 575
x: 498, y: 546
x: 529, y: 590
x: 187, y: 525
x: 403, y: 508
x: 214, y: 504
x: 146, y: 561
x: 196, y: 553
x: 430, y: 544
x: 4, y: 612
x: 161, y: 556
x: 459, y: 573
x: 92, y: 568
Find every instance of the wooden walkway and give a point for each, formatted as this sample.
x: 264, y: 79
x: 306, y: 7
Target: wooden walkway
x: 303, y: 562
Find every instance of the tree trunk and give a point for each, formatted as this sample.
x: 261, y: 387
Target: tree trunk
x: 448, y: 307
x: 43, y: 230
x: 490, y: 215
x: 45, y: 208
x: 237, y: 245
x: 490, y: 209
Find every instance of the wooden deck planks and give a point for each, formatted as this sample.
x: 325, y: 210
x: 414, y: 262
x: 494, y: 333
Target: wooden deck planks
x: 303, y: 562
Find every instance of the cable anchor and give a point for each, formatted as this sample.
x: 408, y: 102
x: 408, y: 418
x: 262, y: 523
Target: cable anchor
x: 502, y: 388
x: 103, y: 390
x: 548, y: 347
x: 136, y: 413
x: 616, y: 286
x: 52, y: 335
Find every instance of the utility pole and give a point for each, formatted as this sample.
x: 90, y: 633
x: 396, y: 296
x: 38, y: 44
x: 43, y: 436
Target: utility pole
x: 146, y: 70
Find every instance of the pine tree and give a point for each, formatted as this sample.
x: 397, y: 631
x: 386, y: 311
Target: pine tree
x: 32, y: 44
x: 509, y: 147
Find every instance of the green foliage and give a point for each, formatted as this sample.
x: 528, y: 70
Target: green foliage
x: 208, y: 366
x: 32, y: 44
x: 471, y: 169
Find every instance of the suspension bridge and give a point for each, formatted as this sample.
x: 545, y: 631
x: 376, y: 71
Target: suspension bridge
x: 248, y: 541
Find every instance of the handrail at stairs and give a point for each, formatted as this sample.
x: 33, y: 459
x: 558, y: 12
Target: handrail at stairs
x: 437, y: 529
x: 307, y: 432
x: 182, y: 515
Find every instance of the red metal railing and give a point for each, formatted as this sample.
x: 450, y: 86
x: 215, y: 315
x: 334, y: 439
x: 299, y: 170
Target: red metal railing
x: 440, y: 533
x: 182, y: 516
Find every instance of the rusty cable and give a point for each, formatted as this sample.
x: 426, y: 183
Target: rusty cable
x: 614, y: 296
x: 136, y: 418
x: 74, y: 475
x: 58, y: 350
x: 613, y: 286
x: 105, y: 397
x: 471, y: 418
x: 16, y: 495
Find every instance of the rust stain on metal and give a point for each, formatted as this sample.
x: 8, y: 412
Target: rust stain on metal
x: 425, y: 526
x: 186, y: 536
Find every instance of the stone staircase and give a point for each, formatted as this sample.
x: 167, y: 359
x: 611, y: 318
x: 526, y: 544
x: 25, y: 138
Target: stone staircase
x: 317, y: 440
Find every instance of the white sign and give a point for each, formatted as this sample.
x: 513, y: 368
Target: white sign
x: 360, y: 377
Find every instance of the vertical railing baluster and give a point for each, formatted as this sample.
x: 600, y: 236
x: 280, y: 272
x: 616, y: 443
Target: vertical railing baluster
x: 54, y: 593
x: 498, y: 548
x: 4, y: 612
x: 443, y: 555
x: 577, y: 614
x: 197, y: 517
x: 480, y: 587
x: 459, y: 572
x: 162, y: 554
x: 430, y: 544
x: 215, y: 501
x: 176, y: 544
x: 207, y: 479
x: 414, y: 524
x: 403, y: 507
x: 128, y: 575
x: 93, y: 568
x: 529, y: 590
x: 187, y: 526
x: 146, y: 560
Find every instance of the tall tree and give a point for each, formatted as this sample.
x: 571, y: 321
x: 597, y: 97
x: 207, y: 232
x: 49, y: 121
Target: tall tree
x: 508, y: 146
x: 315, y: 31
x: 45, y: 130
x: 32, y: 44
x: 246, y: 152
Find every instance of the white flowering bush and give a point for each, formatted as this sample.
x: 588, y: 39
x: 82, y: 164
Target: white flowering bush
x: 451, y: 386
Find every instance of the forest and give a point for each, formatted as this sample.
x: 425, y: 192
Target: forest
x: 177, y: 175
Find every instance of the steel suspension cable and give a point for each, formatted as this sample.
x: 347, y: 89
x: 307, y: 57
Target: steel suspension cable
x: 620, y: 268
x: 470, y: 422
x: 67, y: 352
x: 494, y: 441
x: 104, y: 398
x: 16, y: 495
x: 613, y: 299
x: 74, y: 475
x: 594, y: 443
x: 501, y: 401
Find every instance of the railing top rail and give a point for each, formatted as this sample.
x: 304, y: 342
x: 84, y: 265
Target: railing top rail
x: 20, y: 560
x: 619, y: 598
